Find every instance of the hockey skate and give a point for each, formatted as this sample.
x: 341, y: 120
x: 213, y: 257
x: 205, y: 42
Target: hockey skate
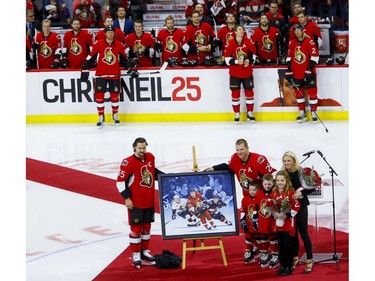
x: 192, y: 224
x: 146, y: 256
x: 115, y: 119
x: 228, y: 222
x: 136, y: 256
x: 314, y: 117
x: 100, y: 123
x: 264, y: 259
x: 237, y: 117
x: 248, y: 257
x: 274, y: 262
x: 250, y: 117
x: 302, y: 117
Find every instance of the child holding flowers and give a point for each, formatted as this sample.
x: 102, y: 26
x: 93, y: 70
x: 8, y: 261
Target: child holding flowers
x: 284, y: 209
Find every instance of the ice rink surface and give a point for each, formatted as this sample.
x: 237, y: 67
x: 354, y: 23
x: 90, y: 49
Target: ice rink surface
x: 61, y: 243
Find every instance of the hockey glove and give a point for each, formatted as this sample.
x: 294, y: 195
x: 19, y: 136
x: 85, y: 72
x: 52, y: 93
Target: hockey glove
x: 55, y: 64
x: 254, y: 221
x: 133, y: 73
x: 243, y: 224
x: 158, y: 46
x: 174, y: 216
x: 64, y: 63
x: 309, y: 77
x: 289, y: 76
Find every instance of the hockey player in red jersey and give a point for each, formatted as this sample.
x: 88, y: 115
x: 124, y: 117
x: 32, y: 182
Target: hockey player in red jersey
x: 198, y: 39
x: 309, y: 28
x: 240, y: 56
x: 199, y: 208
x: 136, y: 184
x: 247, y: 166
x: 77, y: 45
x: 107, y: 53
x: 266, y: 239
x: 140, y: 45
x: 303, y: 55
x: 169, y: 42
x: 119, y: 35
x: 267, y: 40
x: 226, y: 33
x: 47, y: 46
x: 249, y: 221
x: 285, y: 225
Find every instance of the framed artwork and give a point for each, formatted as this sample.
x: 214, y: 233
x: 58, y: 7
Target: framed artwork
x: 198, y: 204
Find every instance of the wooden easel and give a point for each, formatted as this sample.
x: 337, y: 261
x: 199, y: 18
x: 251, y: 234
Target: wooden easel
x: 202, y: 247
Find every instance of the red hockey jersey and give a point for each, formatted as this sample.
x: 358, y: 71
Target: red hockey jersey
x: 78, y: 47
x: 252, y: 170
x: 139, y: 176
x: 48, y: 47
x: 236, y: 51
x: 137, y: 42
x: 266, y: 42
x: 172, y: 43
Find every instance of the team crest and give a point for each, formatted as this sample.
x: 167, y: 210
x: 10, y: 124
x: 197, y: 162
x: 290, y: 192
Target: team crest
x: 124, y: 162
x: 76, y: 49
x: 45, y: 50
x: 146, y: 177
x: 240, y: 54
x: 171, y: 46
x: 109, y: 57
x: 267, y: 44
x: 261, y: 159
x: 299, y: 57
x: 200, y: 39
x: 244, y: 180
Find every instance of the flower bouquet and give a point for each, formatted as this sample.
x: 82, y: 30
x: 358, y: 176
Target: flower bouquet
x: 277, y: 207
x: 310, y: 178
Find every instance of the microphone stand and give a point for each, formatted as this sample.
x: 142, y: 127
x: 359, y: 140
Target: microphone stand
x: 332, y: 172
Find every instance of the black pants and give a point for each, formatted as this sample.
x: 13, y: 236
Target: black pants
x: 302, y: 229
x: 285, y: 248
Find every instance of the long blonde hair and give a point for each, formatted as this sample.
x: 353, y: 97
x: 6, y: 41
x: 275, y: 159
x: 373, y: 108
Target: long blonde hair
x: 288, y: 186
x: 297, y: 165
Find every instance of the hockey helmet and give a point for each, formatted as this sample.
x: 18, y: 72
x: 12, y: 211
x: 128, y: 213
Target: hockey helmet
x: 109, y: 28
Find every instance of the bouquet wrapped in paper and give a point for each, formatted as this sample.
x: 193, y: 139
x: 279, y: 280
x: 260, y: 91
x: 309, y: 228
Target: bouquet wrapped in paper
x: 310, y: 178
x: 278, y: 207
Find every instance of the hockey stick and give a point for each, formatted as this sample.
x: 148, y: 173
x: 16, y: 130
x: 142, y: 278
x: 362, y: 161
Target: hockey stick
x: 298, y: 89
x: 134, y: 73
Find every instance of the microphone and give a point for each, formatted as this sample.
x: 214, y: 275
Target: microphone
x: 320, y: 153
x: 308, y: 153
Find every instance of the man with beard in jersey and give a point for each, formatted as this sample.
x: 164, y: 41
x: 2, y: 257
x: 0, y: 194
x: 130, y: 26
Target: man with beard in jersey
x: 247, y: 166
x: 240, y: 56
x: 267, y: 40
x: 303, y: 56
x: 77, y: 45
x: 169, y: 43
x: 140, y: 45
x: 198, y: 39
x: 107, y: 53
x: 226, y: 32
x: 136, y: 184
x: 309, y: 28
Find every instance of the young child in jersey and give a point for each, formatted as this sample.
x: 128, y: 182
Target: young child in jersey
x: 249, y: 221
x: 266, y: 238
x: 284, y: 208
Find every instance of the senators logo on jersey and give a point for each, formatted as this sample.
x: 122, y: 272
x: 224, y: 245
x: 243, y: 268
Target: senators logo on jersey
x: 244, y: 180
x: 250, y: 211
x: 240, y: 54
x: 262, y: 209
x: 146, y: 177
x: 109, y: 57
x: 171, y: 46
x: 229, y: 37
x: 45, y: 50
x: 299, y: 57
x: 200, y: 38
x: 76, y: 48
x: 267, y: 44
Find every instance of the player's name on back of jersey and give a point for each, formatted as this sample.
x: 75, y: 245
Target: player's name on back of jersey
x: 166, y: 7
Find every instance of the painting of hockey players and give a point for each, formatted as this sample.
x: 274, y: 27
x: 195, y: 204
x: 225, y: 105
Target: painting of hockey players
x: 197, y: 205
